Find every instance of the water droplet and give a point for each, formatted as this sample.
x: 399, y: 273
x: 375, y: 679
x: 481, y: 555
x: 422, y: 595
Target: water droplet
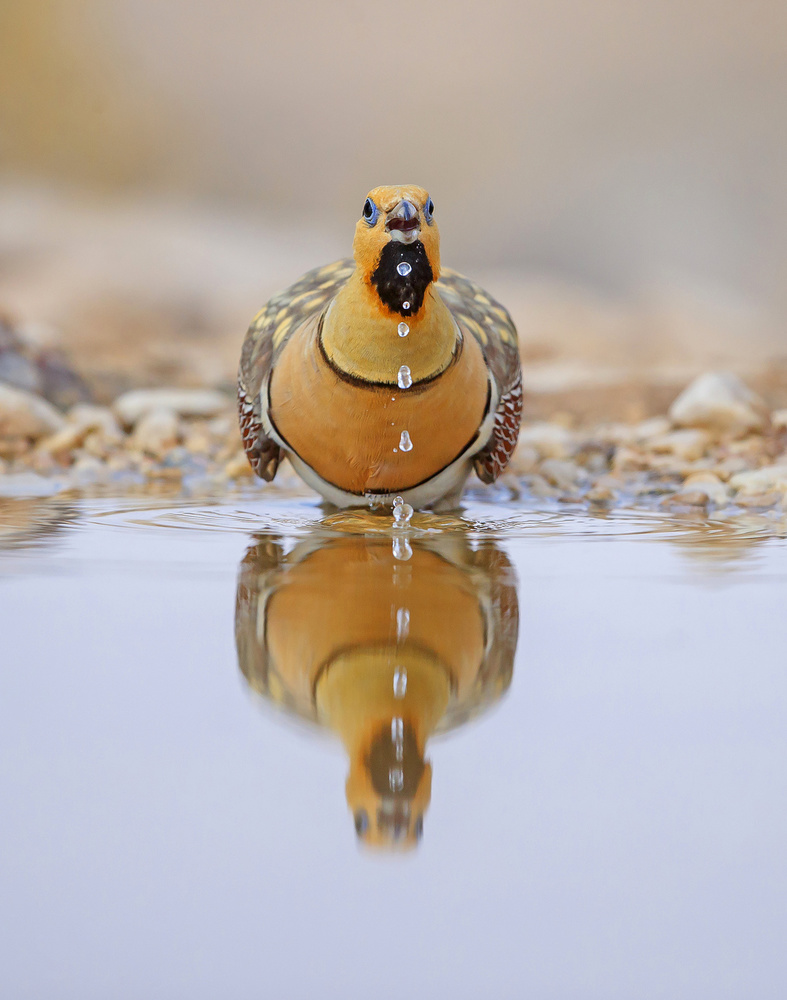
x: 397, y: 730
x: 396, y: 779
x: 405, y: 305
x: 402, y: 549
x: 405, y: 444
x: 403, y: 329
x: 400, y: 682
x: 402, y: 624
x: 402, y: 512
x: 404, y: 268
x: 404, y: 379
x: 398, y: 501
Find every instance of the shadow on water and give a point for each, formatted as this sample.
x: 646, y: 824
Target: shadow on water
x: 382, y: 645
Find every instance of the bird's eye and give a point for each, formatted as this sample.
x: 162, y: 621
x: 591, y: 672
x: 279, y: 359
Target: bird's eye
x: 361, y: 822
x: 370, y: 212
x: 429, y: 211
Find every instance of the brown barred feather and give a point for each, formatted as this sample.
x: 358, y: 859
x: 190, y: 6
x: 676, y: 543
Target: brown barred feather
x: 478, y: 313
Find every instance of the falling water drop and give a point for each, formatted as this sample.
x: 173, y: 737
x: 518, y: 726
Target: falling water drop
x: 400, y: 682
x: 404, y: 268
x: 403, y: 378
x: 396, y: 779
x: 403, y: 329
x: 405, y: 444
x: 402, y: 624
x: 402, y: 549
x: 405, y: 305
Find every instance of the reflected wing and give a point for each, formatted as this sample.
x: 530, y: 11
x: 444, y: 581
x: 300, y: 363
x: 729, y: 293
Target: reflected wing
x: 261, y: 573
x: 496, y: 579
x: 267, y: 334
x: 479, y: 314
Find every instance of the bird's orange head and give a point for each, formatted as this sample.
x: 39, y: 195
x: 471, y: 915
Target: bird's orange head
x: 397, y: 246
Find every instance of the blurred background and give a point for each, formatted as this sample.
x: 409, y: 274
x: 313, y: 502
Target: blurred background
x: 613, y: 171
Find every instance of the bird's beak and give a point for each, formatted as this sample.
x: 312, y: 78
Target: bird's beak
x: 403, y: 222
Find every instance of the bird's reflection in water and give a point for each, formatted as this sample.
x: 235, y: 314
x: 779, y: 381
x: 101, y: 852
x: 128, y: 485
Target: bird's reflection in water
x: 383, y: 650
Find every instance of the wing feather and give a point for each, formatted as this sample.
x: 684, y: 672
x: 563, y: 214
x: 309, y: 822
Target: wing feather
x: 265, y: 339
x: 488, y: 321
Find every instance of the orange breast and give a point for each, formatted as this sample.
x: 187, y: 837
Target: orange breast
x: 352, y: 434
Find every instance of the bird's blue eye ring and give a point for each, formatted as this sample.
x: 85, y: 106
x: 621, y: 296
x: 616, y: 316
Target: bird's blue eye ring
x: 370, y: 212
x: 429, y: 211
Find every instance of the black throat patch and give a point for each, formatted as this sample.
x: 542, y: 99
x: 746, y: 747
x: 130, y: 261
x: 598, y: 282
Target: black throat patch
x: 403, y: 293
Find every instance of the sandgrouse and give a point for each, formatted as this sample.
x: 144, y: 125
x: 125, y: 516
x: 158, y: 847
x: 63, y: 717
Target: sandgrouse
x: 383, y: 376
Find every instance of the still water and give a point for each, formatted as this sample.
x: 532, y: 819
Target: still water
x: 251, y: 750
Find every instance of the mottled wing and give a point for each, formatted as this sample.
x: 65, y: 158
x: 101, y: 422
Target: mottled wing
x: 479, y: 314
x: 261, y: 573
x: 498, y: 579
x: 267, y: 334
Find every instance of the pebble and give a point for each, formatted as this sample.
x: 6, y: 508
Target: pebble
x: 95, y: 418
x: 762, y: 500
x: 26, y: 415
x: 548, y: 440
x: 132, y: 406
x: 653, y: 428
x: 539, y: 487
x: 157, y: 431
x: 561, y: 473
x: 759, y: 481
x: 721, y: 402
x: 686, y: 498
x: 686, y: 444
x: 708, y: 484
x: 238, y: 467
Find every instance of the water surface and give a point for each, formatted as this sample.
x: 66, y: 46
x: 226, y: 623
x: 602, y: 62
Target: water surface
x: 597, y: 702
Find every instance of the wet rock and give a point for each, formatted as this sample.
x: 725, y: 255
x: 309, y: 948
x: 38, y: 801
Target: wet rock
x: 686, y: 498
x: 539, y: 487
x: 238, y: 467
x: 26, y: 415
x: 156, y: 432
x: 95, y: 418
x: 708, y: 484
x: 198, y: 442
x: 759, y: 500
x: 549, y: 440
x: 561, y: 473
x: 60, y: 383
x: 686, y: 444
x: 19, y: 371
x: 87, y: 470
x: 38, y: 368
x: 524, y: 461
x: 604, y: 491
x: 93, y: 427
x: 771, y: 478
x: 132, y: 406
x: 653, y: 428
x: 730, y: 466
x: 719, y: 402
x: 628, y: 459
